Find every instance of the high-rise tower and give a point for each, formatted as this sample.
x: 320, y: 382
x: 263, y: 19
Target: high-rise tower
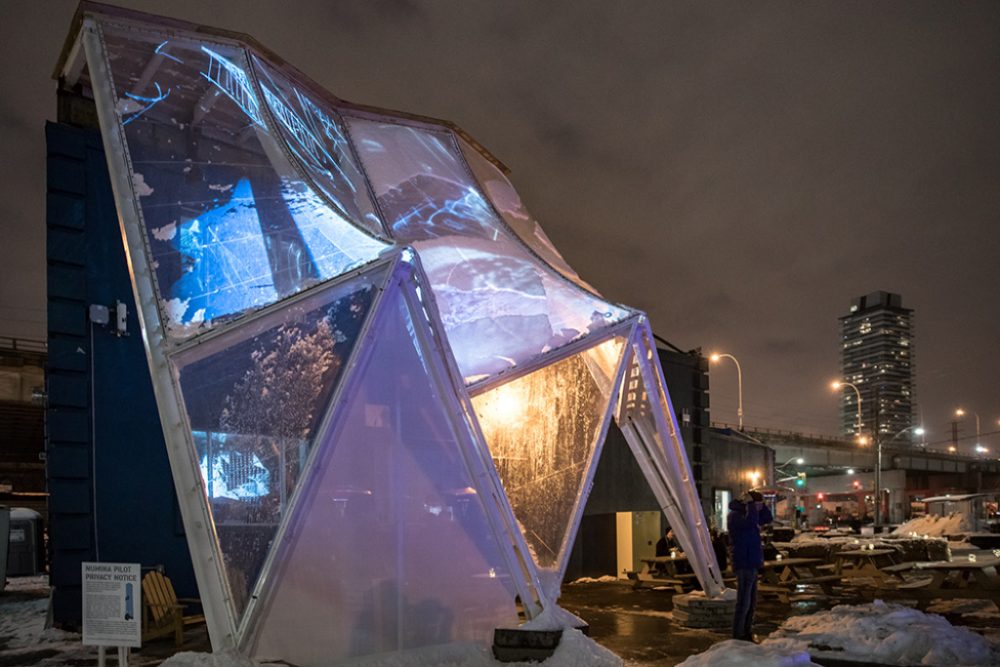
x: 877, y: 357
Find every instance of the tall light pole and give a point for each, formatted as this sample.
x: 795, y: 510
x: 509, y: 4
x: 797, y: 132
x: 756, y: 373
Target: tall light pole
x: 798, y: 461
x: 739, y: 383
x: 917, y: 429
x: 837, y: 384
x: 961, y: 413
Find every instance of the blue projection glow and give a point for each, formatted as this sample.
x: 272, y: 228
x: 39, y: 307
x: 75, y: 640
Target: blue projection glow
x: 460, y: 215
x: 159, y: 51
x: 227, y: 265
x: 251, y: 191
x: 305, y: 137
x: 150, y: 102
x: 236, y: 476
x: 501, y: 306
x: 233, y: 81
x: 232, y: 225
x: 317, y: 138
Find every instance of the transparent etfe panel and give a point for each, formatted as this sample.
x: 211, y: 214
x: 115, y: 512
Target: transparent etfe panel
x: 254, y: 397
x: 542, y: 429
x: 390, y: 548
x: 230, y: 225
x: 314, y: 133
x: 501, y: 306
x: 508, y: 203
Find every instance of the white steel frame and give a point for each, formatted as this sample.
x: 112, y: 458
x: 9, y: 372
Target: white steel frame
x: 652, y: 437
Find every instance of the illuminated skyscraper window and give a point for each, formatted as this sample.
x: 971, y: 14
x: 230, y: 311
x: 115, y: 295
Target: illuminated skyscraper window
x: 877, y: 357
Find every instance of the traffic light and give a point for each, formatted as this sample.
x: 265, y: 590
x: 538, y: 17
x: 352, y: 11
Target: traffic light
x: 801, y: 481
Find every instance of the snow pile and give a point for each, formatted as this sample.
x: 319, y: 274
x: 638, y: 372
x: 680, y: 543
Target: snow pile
x: 22, y: 624
x: 35, y: 585
x: 574, y: 650
x: 606, y: 579
x: 736, y: 653
x: 884, y: 633
x: 936, y: 525
x: 23, y: 634
x: 727, y: 594
x: 222, y: 659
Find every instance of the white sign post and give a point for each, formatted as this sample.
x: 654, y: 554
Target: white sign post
x: 111, y: 607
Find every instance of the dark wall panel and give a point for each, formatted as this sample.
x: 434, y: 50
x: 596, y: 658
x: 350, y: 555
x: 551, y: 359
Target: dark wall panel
x: 107, y: 453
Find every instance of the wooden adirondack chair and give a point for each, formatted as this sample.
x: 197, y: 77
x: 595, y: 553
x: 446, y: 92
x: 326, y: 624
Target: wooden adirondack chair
x: 162, y: 612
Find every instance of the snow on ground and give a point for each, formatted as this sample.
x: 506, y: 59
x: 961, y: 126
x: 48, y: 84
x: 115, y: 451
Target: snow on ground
x: 222, y: 659
x: 25, y: 640
x: 23, y: 632
x: 886, y: 633
x: 936, y: 525
x: 36, y: 585
x: 574, y: 650
x: 606, y: 579
x: 736, y: 653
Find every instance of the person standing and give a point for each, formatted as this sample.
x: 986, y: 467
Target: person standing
x: 746, y: 515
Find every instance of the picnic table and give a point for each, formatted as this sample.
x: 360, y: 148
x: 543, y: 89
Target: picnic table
x: 951, y: 579
x: 963, y: 574
x: 665, y: 571
x: 864, y: 562
x: 781, y: 577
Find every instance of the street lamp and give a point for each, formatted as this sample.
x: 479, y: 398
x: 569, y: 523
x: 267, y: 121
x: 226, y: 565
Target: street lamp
x: 739, y: 382
x: 837, y: 384
x: 918, y: 430
x: 961, y: 413
x: 797, y: 459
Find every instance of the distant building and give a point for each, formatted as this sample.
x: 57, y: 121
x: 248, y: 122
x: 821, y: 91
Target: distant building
x: 622, y: 519
x: 877, y: 357
x: 22, y: 431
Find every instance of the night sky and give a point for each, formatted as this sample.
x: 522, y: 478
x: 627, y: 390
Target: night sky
x: 739, y: 171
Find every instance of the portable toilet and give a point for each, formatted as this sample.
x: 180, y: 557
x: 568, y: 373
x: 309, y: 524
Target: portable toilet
x: 25, y: 543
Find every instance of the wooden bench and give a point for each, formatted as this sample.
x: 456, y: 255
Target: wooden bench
x: 162, y: 612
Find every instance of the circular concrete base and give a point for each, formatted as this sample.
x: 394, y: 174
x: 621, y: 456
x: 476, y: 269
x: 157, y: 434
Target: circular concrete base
x: 694, y: 610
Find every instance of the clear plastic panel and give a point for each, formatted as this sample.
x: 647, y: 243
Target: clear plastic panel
x: 254, y: 398
x: 314, y: 133
x: 500, y: 309
x: 230, y: 225
x: 500, y: 305
x: 508, y: 203
x: 420, y: 182
x: 542, y: 430
x: 390, y: 548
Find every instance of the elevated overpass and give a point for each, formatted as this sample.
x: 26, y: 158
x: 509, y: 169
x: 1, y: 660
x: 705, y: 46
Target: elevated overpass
x: 824, y: 454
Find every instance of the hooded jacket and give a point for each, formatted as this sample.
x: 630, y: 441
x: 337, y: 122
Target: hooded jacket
x: 744, y: 523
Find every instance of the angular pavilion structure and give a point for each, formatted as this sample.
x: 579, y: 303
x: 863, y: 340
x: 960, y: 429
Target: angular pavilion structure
x: 383, y: 390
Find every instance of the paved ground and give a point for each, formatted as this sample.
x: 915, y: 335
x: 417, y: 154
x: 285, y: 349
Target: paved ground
x: 637, y: 625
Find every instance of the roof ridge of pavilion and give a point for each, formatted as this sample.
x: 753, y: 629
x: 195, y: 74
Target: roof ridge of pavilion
x: 113, y: 11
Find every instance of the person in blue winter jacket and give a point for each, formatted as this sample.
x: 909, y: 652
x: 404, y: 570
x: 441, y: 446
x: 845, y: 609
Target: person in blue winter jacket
x: 746, y: 515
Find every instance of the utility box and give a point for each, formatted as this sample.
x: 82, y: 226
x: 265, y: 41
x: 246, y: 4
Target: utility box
x: 25, y: 545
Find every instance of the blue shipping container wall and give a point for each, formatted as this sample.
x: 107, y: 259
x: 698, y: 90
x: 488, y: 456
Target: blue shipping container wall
x: 111, y: 493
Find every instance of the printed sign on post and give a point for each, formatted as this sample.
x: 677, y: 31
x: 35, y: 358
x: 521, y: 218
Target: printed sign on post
x: 111, y: 608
